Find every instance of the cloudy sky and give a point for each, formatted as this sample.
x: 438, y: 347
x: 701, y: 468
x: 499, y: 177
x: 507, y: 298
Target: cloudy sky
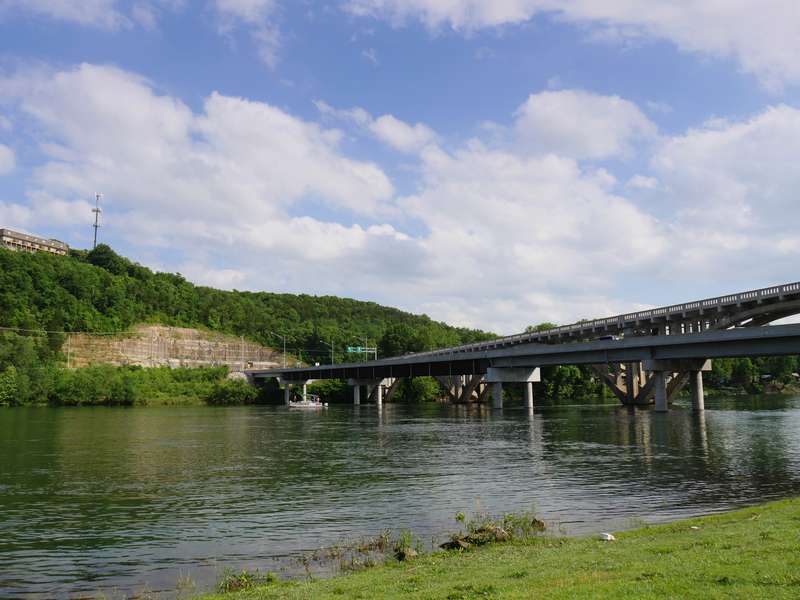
x: 490, y: 163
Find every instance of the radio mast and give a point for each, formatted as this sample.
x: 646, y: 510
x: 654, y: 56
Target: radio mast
x: 96, y: 210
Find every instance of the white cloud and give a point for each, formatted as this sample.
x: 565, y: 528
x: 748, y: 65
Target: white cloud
x: 256, y: 16
x: 387, y: 128
x: 371, y: 55
x: 250, y: 11
x: 7, y: 160
x: 102, y: 14
x: 579, y: 124
x: 97, y: 13
x: 730, y: 190
x: 400, y: 135
x: 760, y: 34
x: 268, y: 41
x: 14, y: 215
x: 740, y: 175
x: 508, y: 234
x: 642, y: 182
x: 236, y: 163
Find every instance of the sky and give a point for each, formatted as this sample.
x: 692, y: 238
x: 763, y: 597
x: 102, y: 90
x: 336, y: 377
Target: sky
x: 492, y: 164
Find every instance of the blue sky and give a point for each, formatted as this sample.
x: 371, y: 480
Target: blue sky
x: 492, y: 164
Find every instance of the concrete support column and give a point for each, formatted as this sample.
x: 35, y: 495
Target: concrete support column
x: 529, y: 394
x: 305, y: 392
x: 497, y: 394
x: 356, y: 394
x: 696, y: 384
x: 660, y: 383
x: 287, y: 391
x: 379, y: 395
x: 632, y: 381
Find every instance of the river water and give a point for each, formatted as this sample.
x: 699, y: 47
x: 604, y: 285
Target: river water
x: 119, y: 500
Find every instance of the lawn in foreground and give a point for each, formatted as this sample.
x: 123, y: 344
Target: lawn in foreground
x: 750, y: 553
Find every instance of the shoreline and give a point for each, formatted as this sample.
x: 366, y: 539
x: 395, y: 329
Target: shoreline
x: 745, y: 553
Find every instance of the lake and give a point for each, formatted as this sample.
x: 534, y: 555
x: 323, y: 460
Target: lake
x: 119, y: 500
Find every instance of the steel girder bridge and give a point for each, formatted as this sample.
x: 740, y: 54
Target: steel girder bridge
x: 644, y: 357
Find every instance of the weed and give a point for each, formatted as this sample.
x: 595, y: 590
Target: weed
x: 231, y: 581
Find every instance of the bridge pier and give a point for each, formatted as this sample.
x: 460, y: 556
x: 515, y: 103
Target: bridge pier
x: 287, y: 393
x: 529, y: 394
x: 393, y: 387
x: 374, y: 389
x: 496, y: 376
x: 696, y: 386
x: 660, y: 384
x: 497, y: 395
x: 681, y: 370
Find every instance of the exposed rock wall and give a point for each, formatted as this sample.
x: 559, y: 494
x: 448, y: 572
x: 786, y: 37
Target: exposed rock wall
x: 155, y: 345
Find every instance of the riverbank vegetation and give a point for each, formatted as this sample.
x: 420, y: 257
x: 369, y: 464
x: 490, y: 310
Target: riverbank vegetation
x: 122, y: 386
x: 749, y: 554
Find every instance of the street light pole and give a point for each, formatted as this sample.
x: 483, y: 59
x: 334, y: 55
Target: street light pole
x: 329, y: 346
x: 283, y: 337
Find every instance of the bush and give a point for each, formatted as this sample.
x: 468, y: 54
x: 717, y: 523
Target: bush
x: 8, y: 387
x: 226, y: 393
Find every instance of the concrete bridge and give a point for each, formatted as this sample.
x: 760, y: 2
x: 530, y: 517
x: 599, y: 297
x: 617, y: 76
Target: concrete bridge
x: 643, y: 357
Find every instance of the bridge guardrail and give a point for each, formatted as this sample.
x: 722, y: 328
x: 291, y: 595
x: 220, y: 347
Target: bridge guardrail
x: 621, y: 320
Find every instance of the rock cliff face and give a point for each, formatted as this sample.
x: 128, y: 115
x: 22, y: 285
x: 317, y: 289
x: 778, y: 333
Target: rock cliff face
x: 156, y: 346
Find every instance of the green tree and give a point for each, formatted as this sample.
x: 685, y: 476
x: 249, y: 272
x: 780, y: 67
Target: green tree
x: 9, y: 392
x: 540, y: 327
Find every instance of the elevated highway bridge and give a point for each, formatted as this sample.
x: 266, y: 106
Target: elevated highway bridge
x: 644, y: 357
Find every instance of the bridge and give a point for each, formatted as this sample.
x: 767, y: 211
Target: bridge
x: 643, y: 357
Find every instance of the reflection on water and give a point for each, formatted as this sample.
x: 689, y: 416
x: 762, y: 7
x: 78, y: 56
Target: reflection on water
x: 102, y: 499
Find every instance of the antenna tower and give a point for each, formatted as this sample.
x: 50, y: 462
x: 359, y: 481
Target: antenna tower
x: 96, y: 210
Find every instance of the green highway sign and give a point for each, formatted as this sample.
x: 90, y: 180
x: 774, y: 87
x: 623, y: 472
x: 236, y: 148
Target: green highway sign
x: 355, y: 349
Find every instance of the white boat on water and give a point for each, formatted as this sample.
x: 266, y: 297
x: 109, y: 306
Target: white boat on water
x: 311, y: 401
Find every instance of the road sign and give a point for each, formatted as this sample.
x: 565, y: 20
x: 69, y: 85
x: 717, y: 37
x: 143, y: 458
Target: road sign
x: 355, y: 349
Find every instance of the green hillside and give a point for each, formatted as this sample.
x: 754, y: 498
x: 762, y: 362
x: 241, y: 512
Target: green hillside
x: 100, y: 291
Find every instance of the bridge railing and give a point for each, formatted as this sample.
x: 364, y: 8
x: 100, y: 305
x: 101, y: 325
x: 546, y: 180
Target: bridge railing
x: 621, y: 320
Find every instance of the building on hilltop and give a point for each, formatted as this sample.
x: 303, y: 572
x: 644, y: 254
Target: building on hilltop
x: 14, y: 240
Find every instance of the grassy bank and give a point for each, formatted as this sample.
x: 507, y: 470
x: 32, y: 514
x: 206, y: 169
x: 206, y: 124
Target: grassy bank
x: 751, y: 553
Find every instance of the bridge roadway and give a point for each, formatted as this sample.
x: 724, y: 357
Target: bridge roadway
x: 749, y: 309
x: 638, y: 369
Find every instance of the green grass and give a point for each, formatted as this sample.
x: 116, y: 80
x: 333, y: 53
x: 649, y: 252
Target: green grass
x: 750, y: 553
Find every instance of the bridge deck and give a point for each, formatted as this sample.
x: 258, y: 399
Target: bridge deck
x: 781, y: 300
x: 760, y: 341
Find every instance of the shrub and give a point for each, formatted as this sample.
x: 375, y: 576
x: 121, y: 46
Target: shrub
x: 226, y: 393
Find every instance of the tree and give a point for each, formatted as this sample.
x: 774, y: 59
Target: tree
x: 398, y: 340
x: 104, y: 257
x: 9, y: 393
x: 540, y: 327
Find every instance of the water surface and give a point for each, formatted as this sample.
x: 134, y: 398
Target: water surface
x: 103, y: 499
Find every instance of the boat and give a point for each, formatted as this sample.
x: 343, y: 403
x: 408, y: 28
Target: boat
x: 310, y: 401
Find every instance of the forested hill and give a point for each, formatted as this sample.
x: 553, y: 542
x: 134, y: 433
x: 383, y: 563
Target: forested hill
x: 100, y: 291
